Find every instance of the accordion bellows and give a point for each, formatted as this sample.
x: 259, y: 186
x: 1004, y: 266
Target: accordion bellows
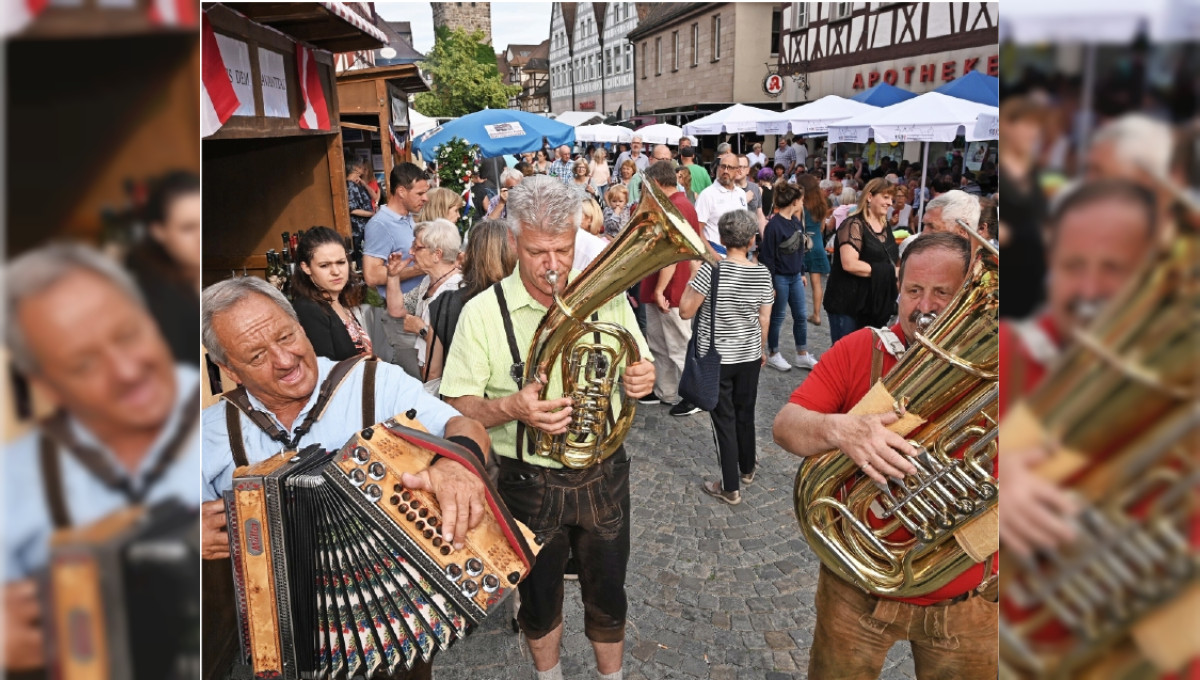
x: 339, y: 570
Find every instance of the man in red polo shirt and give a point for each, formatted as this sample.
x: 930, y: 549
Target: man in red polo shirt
x: 952, y: 631
x: 1098, y: 236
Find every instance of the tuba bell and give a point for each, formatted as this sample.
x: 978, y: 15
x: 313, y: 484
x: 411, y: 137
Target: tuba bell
x: 947, y: 378
x: 655, y: 236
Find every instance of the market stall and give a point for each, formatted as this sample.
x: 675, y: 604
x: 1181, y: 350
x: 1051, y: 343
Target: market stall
x: 376, y: 121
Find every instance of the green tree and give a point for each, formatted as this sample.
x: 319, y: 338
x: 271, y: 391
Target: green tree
x: 465, y: 76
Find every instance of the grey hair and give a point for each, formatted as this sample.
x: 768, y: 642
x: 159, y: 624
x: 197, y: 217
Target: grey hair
x: 957, y: 205
x: 737, y: 228
x: 1141, y: 139
x: 37, y: 270
x: 636, y: 138
x: 511, y: 173
x: 441, y: 234
x: 544, y: 204
x: 827, y: 184
x: 223, y: 295
x: 723, y: 148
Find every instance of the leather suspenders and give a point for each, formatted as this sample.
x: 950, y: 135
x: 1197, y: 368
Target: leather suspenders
x: 237, y: 401
x: 57, y: 436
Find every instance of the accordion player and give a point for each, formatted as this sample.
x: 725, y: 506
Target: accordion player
x: 339, y: 569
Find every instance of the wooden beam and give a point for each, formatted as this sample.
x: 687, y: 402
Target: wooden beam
x: 357, y: 126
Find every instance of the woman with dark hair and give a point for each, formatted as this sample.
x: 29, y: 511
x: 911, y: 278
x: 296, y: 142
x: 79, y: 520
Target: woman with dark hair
x: 782, y: 253
x: 816, y: 260
x: 166, y: 264
x: 325, y: 292
x: 862, y: 287
x: 541, y: 166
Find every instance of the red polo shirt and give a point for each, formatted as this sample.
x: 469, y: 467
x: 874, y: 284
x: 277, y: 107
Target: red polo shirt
x: 841, y: 380
x: 683, y: 272
x: 1018, y: 367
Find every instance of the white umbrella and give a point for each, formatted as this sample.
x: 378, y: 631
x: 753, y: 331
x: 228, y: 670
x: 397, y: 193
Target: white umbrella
x: 814, y: 119
x: 660, y: 133
x: 736, y: 118
x: 419, y: 124
x: 577, y: 118
x: 987, y: 126
x: 603, y: 133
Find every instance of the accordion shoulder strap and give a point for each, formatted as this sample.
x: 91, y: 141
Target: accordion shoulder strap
x: 368, y: 392
x: 52, y: 484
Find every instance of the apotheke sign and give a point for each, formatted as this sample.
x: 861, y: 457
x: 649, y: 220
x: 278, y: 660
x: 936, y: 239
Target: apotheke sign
x: 926, y: 73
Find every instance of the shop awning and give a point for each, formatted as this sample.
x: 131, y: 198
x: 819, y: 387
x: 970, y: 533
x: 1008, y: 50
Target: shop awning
x: 328, y: 25
x: 405, y: 76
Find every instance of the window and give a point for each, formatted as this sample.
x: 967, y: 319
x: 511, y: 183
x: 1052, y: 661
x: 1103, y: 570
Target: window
x: 799, y: 15
x: 776, y: 28
x: 643, y: 60
x: 675, y: 50
x: 716, y: 37
x: 695, y: 44
x: 658, y: 56
x: 840, y: 10
x: 608, y: 65
x: 629, y: 57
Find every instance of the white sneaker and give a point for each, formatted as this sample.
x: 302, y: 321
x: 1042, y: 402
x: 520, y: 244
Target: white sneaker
x: 805, y: 361
x: 777, y: 362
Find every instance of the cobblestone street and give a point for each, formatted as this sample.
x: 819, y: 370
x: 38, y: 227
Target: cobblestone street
x: 715, y: 591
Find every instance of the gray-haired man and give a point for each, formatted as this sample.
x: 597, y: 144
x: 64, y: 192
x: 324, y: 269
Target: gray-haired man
x: 125, y: 432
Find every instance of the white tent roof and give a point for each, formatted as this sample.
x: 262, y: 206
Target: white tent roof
x: 419, y: 123
x: 1029, y: 22
x: 577, y: 118
x: 814, y: 118
x: 931, y: 117
x: 603, y: 133
x: 660, y: 133
x: 737, y: 118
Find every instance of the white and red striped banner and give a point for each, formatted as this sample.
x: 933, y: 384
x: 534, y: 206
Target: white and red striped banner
x: 312, y: 92
x: 17, y: 14
x: 173, y: 12
x: 218, y: 101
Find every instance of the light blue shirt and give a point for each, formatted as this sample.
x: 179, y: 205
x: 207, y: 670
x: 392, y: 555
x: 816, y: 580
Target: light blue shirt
x: 28, y: 525
x: 386, y: 233
x: 395, y: 392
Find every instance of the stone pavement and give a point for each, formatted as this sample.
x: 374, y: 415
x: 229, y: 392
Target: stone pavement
x: 714, y: 591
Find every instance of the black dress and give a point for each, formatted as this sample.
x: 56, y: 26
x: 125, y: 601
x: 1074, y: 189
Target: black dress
x: 871, y: 301
x: 1024, y: 209
x: 325, y: 330
x: 173, y: 302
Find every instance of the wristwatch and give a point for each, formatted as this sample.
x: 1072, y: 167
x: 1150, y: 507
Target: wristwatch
x: 423, y: 332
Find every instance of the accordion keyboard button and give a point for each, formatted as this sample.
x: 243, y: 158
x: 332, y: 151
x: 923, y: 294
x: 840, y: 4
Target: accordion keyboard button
x: 406, y: 495
x: 445, y: 550
x: 474, y: 567
x: 361, y: 455
x: 416, y: 504
x: 368, y: 433
x: 376, y: 470
x: 411, y: 516
x: 357, y: 477
x: 373, y: 493
x: 423, y: 513
x: 453, y: 571
x: 433, y: 522
x: 394, y: 500
x: 428, y: 534
x: 491, y: 583
x: 514, y: 578
x: 437, y: 541
x: 469, y: 588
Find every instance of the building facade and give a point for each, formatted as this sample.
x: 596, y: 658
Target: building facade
x: 844, y: 48
x: 590, y: 58
x: 467, y: 16
x: 529, y: 67
x: 697, y: 57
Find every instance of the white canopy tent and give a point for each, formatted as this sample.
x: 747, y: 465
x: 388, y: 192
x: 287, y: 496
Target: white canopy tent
x: 660, y: 133
x: 419, y: 123
x: 603, y: 133
x: 577, y: 118
x: 931, y: 117
x: 814, y: 119
x: 736, y: 118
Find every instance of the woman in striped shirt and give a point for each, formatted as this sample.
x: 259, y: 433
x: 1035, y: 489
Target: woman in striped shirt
x: 743, y: 309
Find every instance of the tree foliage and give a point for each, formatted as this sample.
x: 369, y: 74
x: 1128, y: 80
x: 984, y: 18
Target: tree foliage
x: 465, y: 76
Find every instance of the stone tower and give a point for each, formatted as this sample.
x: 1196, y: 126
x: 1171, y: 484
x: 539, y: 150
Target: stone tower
x: 467, y: 16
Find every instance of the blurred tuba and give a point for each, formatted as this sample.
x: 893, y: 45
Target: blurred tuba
x: 947, y: 382
x: 655, y: 236
x: 1122, y: 408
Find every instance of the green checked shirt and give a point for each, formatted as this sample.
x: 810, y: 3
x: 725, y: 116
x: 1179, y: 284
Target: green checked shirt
x: 479, y: 360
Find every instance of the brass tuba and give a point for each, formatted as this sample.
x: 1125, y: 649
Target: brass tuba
x: 948, y: 379
x: 1122, y: 406
x: 655, y: 236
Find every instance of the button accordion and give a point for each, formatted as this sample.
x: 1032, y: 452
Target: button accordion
x: 339, y: 570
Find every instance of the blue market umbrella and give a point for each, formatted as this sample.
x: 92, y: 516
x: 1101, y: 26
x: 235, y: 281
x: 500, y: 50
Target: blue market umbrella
x: 975, y: 87
x: 883, y: 95
x: 497, y: 132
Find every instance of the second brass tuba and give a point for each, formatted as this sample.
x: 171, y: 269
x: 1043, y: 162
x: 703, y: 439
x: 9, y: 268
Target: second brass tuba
x: 655, y: 236
x: 947, y: 377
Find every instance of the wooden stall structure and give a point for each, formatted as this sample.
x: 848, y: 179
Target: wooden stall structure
x: 371, y: 101
x: 263, y: 173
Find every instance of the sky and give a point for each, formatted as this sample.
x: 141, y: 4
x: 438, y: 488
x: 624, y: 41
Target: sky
x: 524, y: 23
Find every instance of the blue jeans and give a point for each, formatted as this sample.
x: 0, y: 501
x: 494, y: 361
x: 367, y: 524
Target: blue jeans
x: 789, y: 293
x: 841, y: 325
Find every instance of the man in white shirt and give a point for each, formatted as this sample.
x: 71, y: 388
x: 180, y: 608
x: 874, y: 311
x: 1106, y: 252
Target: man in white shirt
x: 641, y: 160
x: 719, y: 199
x: 801, y: 151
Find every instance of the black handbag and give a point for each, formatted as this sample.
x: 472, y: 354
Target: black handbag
x: 701, y: 379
